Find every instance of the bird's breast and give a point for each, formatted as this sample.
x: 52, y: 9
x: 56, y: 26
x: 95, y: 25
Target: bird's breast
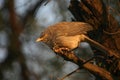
x: 70, y: 42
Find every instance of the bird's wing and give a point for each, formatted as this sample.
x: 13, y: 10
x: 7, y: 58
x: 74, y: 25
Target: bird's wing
x: 70, y: 28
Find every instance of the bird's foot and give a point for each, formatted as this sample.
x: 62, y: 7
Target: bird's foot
x: 64, y: 49
x: 61, y: 50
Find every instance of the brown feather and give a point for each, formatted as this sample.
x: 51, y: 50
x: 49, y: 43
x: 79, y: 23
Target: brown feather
x: 65, y: 33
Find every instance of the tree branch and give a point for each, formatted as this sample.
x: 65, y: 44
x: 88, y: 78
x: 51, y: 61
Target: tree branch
x: 70, y: 56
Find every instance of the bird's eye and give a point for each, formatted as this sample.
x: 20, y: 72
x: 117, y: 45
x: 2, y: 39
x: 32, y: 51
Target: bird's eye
x: 42, y: 35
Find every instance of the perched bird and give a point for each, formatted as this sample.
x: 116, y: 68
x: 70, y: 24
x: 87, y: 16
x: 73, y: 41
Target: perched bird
x: 65, y: 35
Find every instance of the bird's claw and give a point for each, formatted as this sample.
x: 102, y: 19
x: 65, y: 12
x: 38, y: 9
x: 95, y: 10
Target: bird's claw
x: 61, y: 49
x: 64, y: 49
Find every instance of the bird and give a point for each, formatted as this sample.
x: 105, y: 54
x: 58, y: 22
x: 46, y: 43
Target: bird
x: 65, y: 35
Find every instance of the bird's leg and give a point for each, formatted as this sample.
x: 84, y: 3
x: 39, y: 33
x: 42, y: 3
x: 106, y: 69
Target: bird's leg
x: 100, y: 47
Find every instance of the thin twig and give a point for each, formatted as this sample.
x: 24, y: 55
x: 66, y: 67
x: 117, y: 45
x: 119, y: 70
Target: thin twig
x: 69, y: 74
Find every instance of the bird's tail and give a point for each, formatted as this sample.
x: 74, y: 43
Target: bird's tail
x: 101, y: 47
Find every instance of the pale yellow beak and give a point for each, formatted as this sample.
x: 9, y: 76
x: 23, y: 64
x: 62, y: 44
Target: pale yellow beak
x: 39, y: 39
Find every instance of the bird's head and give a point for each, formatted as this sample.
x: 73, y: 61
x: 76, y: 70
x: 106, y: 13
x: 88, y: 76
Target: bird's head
x: 46, y: 37
x: 43, y: 38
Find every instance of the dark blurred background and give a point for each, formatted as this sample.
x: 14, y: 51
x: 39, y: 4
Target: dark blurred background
x: 21, y: 22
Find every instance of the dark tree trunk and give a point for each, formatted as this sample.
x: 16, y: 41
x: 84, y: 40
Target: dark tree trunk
x: 107, y: 29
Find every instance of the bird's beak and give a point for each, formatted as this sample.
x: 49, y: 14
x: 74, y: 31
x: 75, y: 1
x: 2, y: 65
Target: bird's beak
x: 39, y: 39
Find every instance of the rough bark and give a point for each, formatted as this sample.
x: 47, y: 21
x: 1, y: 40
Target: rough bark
x: 107, y: 30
